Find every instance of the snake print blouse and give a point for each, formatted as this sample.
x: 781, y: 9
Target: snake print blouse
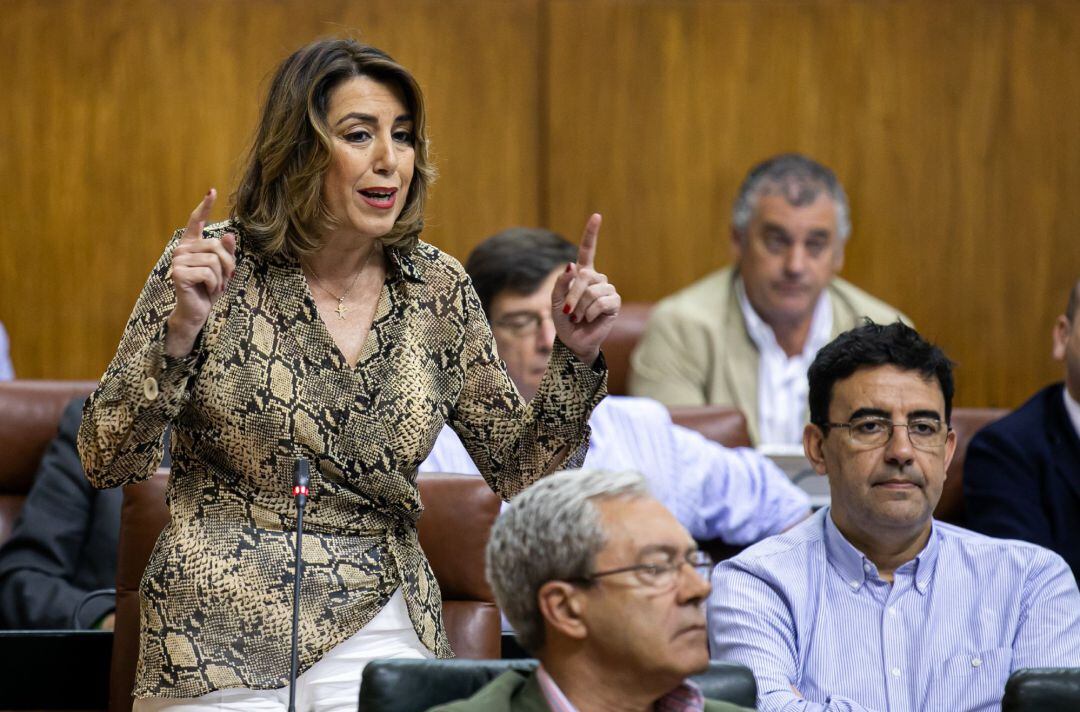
x: 266, y: 385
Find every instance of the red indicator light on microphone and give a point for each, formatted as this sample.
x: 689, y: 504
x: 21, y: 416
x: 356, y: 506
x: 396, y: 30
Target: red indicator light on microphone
x: 298, y: 490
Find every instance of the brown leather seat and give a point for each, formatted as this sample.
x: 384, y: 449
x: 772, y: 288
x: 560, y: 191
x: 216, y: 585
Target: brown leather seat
x: 29, y: 414
x: 620, y: 343
x: 722, y: 423
x: 459, y: 511
x: 966, y: 422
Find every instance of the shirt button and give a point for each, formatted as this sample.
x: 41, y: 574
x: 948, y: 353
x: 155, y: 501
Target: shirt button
x: 895, y: 672
x: 892, y: 610
x: 976, y: 662
x: 150, y: 388
x: 853, y: 584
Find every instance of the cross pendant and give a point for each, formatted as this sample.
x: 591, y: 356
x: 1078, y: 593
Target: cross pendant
x: 341, y: 310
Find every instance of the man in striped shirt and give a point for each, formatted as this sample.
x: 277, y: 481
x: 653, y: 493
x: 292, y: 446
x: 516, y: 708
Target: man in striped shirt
x: 737, y: 495
x: 871, y: 604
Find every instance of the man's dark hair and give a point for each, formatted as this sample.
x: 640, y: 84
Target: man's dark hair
x: 1074, y: 303
x: 870, y: 345
x: 517, y: 259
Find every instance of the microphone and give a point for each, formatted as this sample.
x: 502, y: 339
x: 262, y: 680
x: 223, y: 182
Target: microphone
x: 301, y: 480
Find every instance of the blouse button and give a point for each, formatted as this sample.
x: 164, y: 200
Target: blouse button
x: 976, y: 662
x: 150, y: 388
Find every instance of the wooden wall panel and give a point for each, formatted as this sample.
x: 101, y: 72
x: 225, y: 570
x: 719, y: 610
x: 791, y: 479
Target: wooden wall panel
x: 955, y: 127
x: 118, y: 116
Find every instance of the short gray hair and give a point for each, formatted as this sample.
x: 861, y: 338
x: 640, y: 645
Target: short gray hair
x: 550, y: 532
x: 799, y: 179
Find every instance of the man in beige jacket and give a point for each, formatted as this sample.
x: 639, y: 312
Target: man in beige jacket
x: 745, y: 335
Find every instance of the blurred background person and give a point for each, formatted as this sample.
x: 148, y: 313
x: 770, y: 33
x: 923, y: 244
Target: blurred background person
x: 63, y: 546
x: 736, y: 495
x: 1022, y: 473
x: 745, y: 335
x: 61, y: 557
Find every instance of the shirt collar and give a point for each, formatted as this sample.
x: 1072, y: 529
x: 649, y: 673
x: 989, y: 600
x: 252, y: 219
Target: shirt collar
x: 687, y: 697
x: 402, y: 264
x: 1073, y: 409
x: 763, y: 336
x: 555, y: 697
x: 855, y: 568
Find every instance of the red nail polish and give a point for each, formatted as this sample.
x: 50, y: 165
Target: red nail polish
x: 566, y: 309
x: 573, y: 318
x: 569, y: 266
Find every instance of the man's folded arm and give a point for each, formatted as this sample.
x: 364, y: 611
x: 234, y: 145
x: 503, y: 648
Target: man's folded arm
x: 751, y: 623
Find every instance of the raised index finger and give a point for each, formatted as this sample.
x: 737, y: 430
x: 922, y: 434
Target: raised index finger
x: 199, y: 216
x: 587, y: 249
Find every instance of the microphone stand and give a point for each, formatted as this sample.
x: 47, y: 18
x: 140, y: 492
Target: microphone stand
x: 300, y: 493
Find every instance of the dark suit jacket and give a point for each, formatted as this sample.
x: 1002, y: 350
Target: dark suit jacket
x: 1022, y: 477
x: 516, y: 691
x: 64, y: 544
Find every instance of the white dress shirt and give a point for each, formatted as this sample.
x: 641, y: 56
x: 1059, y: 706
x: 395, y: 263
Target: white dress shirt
x: 1073, y: 409
x: 782, y: 386
x: 737, y: 495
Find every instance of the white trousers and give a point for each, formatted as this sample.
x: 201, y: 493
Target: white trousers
x: 330, y: 685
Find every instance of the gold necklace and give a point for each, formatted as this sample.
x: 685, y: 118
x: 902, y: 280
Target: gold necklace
x: 341, y: 309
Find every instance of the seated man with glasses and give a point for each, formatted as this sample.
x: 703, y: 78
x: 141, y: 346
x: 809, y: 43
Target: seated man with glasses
x: 871, y: 604
x: 737, y: 495
x: 607, y: 589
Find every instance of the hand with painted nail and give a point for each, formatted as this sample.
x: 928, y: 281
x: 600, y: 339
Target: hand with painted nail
x: 201, y: 269
x: 583, y: 303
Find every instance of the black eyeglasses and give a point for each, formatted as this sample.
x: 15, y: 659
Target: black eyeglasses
x: 521, y: 323
x: 658, y: 575
x: 871, y: 431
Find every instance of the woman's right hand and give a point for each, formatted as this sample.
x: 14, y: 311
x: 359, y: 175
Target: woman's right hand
x: 201, y: 270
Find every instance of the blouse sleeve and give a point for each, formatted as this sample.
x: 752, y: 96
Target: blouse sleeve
x: 142, y: 390
x: 513, y: 443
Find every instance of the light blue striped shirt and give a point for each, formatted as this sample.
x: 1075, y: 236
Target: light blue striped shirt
x: 737, y: 495
x: 807, y: 609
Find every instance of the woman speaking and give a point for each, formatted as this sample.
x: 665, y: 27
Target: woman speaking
x: 314, y: 324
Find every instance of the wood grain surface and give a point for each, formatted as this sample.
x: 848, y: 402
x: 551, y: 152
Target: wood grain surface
x: 955, y: 128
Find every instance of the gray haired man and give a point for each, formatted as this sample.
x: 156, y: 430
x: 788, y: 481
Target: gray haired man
x: 745, y: 335
x: 606, y: 588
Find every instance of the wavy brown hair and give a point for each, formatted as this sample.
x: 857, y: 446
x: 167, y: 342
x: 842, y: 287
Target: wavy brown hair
x: 279, y: 201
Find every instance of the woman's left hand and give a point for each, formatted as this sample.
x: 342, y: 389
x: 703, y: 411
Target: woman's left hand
x: 583, y: 304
